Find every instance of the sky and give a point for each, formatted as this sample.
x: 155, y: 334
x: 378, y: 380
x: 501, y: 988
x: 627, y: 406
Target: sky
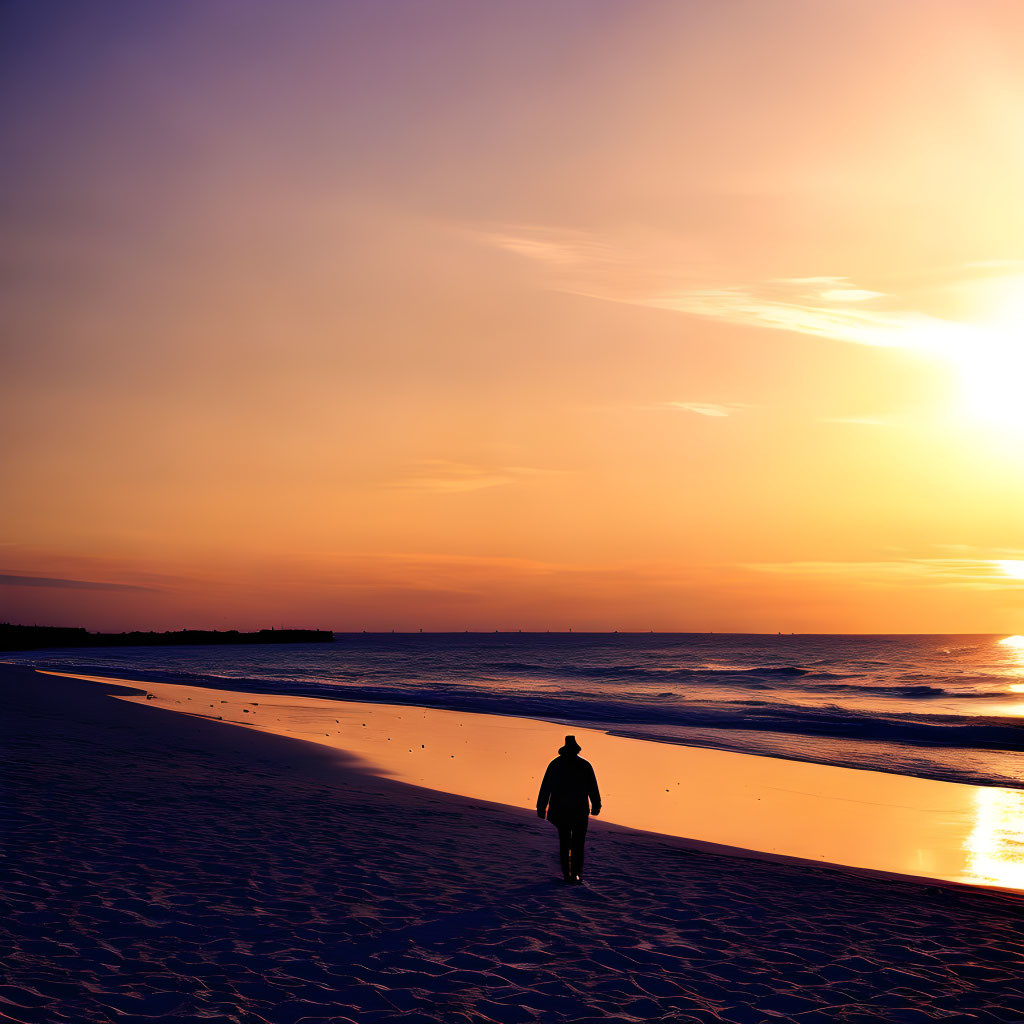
x: 516, y: 315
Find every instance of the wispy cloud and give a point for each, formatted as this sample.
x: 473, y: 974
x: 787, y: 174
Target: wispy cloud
x: 1001, y: 265
x: 856, y: 421
x: 714, y: 409
x: 849, y: 295
x: 559, y: 248
x: 831, y: 288
x: 442, y: 476
x: 50, y: 581
x: 772, y: 308
x: 825, y: 306
x: 454, y: 574
x: 973, y: 573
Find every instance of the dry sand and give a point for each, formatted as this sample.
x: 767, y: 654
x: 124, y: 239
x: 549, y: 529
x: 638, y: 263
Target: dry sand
x: 164, y: 867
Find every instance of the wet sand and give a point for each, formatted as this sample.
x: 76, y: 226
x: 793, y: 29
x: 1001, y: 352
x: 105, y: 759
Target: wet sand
x: 161, y: 866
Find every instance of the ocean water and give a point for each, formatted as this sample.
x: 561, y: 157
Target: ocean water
x: 943, y: 707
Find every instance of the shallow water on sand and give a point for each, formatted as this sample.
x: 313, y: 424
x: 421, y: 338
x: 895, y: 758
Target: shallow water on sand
x: 942, y: 707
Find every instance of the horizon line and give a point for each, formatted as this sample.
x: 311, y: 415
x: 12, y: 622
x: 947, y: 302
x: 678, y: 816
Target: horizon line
x: 493, y: 632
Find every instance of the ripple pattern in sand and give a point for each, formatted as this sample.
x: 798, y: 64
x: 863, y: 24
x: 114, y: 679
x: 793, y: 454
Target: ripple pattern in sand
x: 154, y: 872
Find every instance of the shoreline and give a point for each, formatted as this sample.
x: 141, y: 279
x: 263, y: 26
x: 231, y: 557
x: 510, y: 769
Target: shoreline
x: 946, y: 740
x: 802, y: 812
x: 197, y: 870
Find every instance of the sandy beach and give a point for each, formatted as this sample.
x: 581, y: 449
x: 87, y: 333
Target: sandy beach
x: 159, y: 866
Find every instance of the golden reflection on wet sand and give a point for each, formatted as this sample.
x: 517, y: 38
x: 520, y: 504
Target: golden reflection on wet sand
x: 995, y: 847
x: 863, y: 819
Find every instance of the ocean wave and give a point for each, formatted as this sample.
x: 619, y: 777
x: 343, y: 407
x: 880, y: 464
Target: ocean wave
x: 761, y: 677
x: 636, y: 672
x: 602, y: 709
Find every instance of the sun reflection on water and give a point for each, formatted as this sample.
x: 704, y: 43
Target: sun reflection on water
x: 1015, y: 648
x: 995, y: 846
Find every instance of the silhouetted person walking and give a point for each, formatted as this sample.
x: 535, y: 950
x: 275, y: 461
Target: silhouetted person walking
x: 568, y: 796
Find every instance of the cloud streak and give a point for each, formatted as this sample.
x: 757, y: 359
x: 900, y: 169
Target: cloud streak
x: 871, y: 327
x: 973, y: 573
x: 557, y: 248
x: 65, y: 584
x: 442, y: 476
x: 823, y: 306
x: 856, y: 421
x: 715, y: 410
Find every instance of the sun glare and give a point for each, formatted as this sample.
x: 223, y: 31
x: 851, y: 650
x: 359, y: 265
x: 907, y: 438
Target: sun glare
x: 1011, y: 567
x: 990, y: 360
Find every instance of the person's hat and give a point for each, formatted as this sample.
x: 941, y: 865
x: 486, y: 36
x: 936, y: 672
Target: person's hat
x: 571, y: 746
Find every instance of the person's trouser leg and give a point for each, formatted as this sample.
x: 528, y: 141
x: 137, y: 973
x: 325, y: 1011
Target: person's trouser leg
x: 579, y: 840
x: 571, y: 840
x: 564, y: 845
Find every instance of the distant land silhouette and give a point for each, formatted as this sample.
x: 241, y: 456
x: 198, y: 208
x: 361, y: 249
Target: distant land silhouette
x: 22, y: 638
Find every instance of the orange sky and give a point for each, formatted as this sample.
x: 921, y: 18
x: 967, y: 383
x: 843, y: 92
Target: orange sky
x: 515, y: 315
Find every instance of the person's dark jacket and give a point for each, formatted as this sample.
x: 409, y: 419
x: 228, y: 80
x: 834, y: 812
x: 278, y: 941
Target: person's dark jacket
x: 569, y: 791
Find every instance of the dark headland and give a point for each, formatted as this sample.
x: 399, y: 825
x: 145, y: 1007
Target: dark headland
x: 22, y: 638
